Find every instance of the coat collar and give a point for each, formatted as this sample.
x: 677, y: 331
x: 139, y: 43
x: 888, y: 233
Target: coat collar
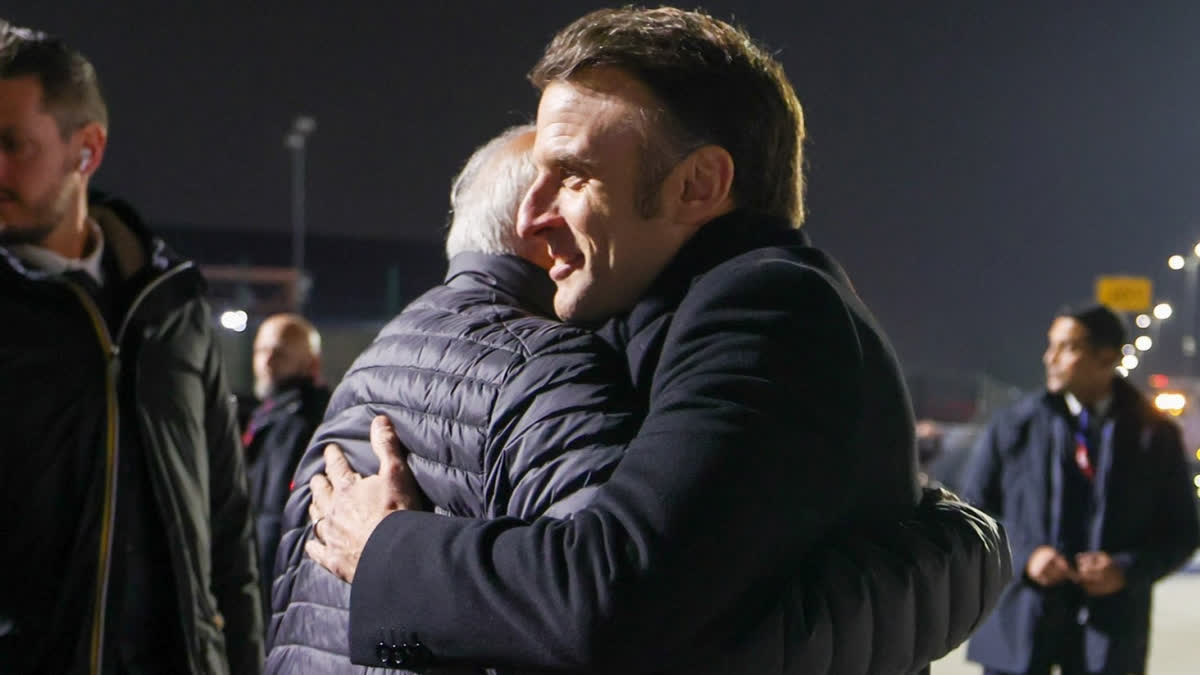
x: 140, y: 256
x: 1125, y: 400
x: 526, y: 285
x: 639, y: 332
x: 722, y: 239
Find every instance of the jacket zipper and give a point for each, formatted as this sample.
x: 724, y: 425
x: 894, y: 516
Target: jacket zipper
x: 112, y: 353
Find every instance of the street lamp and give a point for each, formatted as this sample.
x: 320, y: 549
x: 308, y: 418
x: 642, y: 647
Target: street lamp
x: 1175, y: 262
x: 1143, y: 343
x: 1143, y: 320
x: 1162, y: 311
x: 296, y: 141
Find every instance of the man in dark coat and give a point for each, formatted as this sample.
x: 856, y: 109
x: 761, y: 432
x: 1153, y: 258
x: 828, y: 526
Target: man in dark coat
x: 776, y: 419
x: 128, y: 545
x: 287, y: 370
x: 1091, y: 482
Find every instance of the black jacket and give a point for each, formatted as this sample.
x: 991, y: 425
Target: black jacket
x: 1146, y: 519
x: 276, y: 435
x: 77, y: 387
x: 778, y: 420
x: 503, y: 413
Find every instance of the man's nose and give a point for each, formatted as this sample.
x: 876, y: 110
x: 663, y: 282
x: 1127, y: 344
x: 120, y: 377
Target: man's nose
x: 537, y: 211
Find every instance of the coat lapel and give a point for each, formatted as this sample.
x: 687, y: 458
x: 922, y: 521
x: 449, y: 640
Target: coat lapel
x: 1114, y: 428
x: 1051, y: 464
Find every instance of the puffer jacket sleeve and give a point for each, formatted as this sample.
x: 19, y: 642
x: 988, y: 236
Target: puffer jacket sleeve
x: 559, y: 426
x: 309, y: 605
x: 234, y: 556
x: 890, y: 600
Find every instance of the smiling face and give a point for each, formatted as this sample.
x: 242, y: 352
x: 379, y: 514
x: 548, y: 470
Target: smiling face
x: 583, y: 204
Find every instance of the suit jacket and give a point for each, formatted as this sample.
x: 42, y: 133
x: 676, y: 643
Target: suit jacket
x: 777, y: 418
x: 1145, y: 517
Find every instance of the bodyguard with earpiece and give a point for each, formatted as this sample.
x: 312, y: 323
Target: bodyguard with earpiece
x: 128, y: 544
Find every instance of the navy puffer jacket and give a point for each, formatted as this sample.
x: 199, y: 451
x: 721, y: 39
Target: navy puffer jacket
x: 504, y: 413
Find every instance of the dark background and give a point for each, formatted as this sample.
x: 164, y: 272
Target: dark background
x: 973, y: 164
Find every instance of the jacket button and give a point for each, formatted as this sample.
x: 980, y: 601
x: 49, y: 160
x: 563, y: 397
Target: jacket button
x: 400, y: 655
x: 419, y: 655
x: 384, y: 654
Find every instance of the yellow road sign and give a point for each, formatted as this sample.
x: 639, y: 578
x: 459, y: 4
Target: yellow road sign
x: 1125, y: 294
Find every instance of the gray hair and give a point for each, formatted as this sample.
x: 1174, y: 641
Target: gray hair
x: 486, y: 194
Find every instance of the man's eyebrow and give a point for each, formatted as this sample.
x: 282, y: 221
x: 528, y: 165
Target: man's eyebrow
x: 570, y: 161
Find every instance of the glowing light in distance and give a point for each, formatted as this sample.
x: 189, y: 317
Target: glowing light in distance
x: 235, y: 320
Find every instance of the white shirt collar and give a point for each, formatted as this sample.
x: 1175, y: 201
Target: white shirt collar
x: 1076, y: 407
x: 52, y: 263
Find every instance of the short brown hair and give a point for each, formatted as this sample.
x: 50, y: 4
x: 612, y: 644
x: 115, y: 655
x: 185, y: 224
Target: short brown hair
x: 716, y: 86
x: 70, y: 88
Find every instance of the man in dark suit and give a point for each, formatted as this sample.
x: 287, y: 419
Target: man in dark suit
x: 1090, y: 481
x: 777, y: 416
x: 287, y: 372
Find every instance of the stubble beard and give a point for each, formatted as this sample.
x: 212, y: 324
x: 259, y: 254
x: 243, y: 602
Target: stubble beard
x: 46, y: 217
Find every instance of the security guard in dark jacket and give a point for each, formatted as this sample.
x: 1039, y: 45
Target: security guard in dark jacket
x: 1092, y: 484
x: 127, y: 541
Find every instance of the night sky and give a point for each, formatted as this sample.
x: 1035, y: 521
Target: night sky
x: 973, y: 164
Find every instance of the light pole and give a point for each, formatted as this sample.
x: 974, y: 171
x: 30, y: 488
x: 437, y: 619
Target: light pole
x: 1191, y: 270
x: 1189, y: 310
x: 296, y: 141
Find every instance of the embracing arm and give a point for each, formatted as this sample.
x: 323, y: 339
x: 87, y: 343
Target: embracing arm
x: 730, y: 481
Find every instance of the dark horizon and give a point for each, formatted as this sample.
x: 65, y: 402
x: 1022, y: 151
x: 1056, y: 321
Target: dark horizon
x: 973, y: 167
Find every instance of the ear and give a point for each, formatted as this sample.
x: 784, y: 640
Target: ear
x: 1110, y: 356
x: 706, y: 188
x: 93, y: 138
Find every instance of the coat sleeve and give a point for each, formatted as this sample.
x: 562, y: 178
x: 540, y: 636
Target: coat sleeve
x: 983, y: 486
x: 234, y: 556
x: 1173, y: 533
x: 559, y: 426
x: 730, y: 481
x: 887, y: 600
x: 982, y: 475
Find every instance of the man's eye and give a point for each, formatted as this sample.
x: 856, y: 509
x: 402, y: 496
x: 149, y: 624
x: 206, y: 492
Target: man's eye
x: 573, y: 181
